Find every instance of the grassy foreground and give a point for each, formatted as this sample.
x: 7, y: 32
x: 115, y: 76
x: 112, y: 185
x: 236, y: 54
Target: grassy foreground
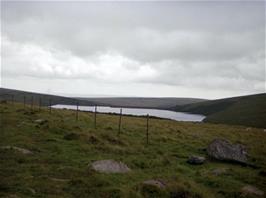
x: 58, y: 166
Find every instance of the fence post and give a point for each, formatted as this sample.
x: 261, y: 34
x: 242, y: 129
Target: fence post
x: 95, y: 112
x: 40, y: 103
x: 77, y: 112
x: 147, y: 130
x: 12, y: 99
x: 120, y: 118
x: 31, y: 106
x: 24, y: 100
x: 50, y: 105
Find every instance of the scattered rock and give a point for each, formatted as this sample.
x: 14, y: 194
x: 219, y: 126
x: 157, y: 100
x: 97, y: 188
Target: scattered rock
x: 58, y: 180
x: 71, y: 136
x: 32, y: 190
x: 264, y: 130
x: 157, y: 183
x: 219, y: 171
x: 248, y: 129
x: 21, y: 150
x: 196, y: 160
x: 109, y: 166
x: 41, y: 121
x: 251, y: 190
x: 222, y: 149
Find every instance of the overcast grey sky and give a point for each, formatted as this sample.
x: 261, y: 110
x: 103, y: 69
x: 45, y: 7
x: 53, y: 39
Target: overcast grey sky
x: 176, y: 49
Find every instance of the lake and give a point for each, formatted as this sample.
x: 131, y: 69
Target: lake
x: 178, y: 116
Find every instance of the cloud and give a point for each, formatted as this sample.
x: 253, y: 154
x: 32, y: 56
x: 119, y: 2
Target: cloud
x: 187, y: 46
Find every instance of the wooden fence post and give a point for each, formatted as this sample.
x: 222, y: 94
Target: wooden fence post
x: 12, y: 96
x: 147, y: 130
x: 24, y: 100
x: 50, y: 105
x: 119, y: 124
x: 40, y: 103
x: 77, y: 111
x: 31, y: 106
x: 95, y: 112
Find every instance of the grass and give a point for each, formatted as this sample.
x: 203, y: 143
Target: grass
x: 63, y: 148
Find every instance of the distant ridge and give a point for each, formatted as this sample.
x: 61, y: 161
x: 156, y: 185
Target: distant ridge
x: 141, y: 102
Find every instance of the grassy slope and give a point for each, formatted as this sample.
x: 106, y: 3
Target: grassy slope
x: 158, y: 103
x: 59, y: 168
x: 245, y: 110
x: 6, y: 94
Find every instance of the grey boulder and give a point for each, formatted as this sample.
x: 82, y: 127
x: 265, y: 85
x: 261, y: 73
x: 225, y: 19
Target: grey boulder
x: 223, y: 150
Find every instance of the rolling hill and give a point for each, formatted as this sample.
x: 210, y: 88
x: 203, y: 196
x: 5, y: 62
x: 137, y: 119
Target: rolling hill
x: 245, y: 110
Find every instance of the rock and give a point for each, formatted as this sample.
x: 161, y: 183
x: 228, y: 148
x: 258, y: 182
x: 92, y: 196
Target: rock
x: 109, y: 166
x: 196, y: 160
x: 251, y: 190
x: 41, y: 121
x: 21, y: 150
x: 221, y: 149
x: 157, y: 183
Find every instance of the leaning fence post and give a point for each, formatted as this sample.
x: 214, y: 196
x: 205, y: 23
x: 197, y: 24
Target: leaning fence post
x: 24, y: 100
x: 50, y: 105
x: 95, y: 112
x: 77, y: 112
x: 147, y: 130
x: 120, y: 118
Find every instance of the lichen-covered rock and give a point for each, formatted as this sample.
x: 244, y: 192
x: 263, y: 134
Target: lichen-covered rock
x: 196, y: 160
x: 222, y: 149
x: 109, y: 166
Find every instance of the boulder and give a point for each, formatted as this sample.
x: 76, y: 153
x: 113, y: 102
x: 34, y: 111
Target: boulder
x: 222, y: 149
x: 18, y: 149
x: 196, y: 160
x: 156, y: 183
x: 251, y: 190
x: 109, y: 166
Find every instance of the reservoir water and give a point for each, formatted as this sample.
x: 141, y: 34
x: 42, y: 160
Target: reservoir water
x: 178, y: 116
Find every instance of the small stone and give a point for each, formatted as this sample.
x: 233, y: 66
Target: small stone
x: 157, y: 183
x: 196, y: 160
x: 21, y: 150
x: 219, y: 171
x: 251, y: 190
x: 109, y: 166
x: 41, y: 121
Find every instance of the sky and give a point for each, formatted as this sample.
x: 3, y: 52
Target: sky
x: 199, y: 49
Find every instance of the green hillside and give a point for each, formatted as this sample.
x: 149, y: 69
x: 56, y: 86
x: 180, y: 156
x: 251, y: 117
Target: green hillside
x: 18, y: 96
x: 245, y: 110
x: 63, y: 148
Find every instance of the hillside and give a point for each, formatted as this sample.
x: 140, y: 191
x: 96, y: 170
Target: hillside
x: 61, y: 150
x: 245, y: 110
x: 139, y: 102
x: 6, y: 94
